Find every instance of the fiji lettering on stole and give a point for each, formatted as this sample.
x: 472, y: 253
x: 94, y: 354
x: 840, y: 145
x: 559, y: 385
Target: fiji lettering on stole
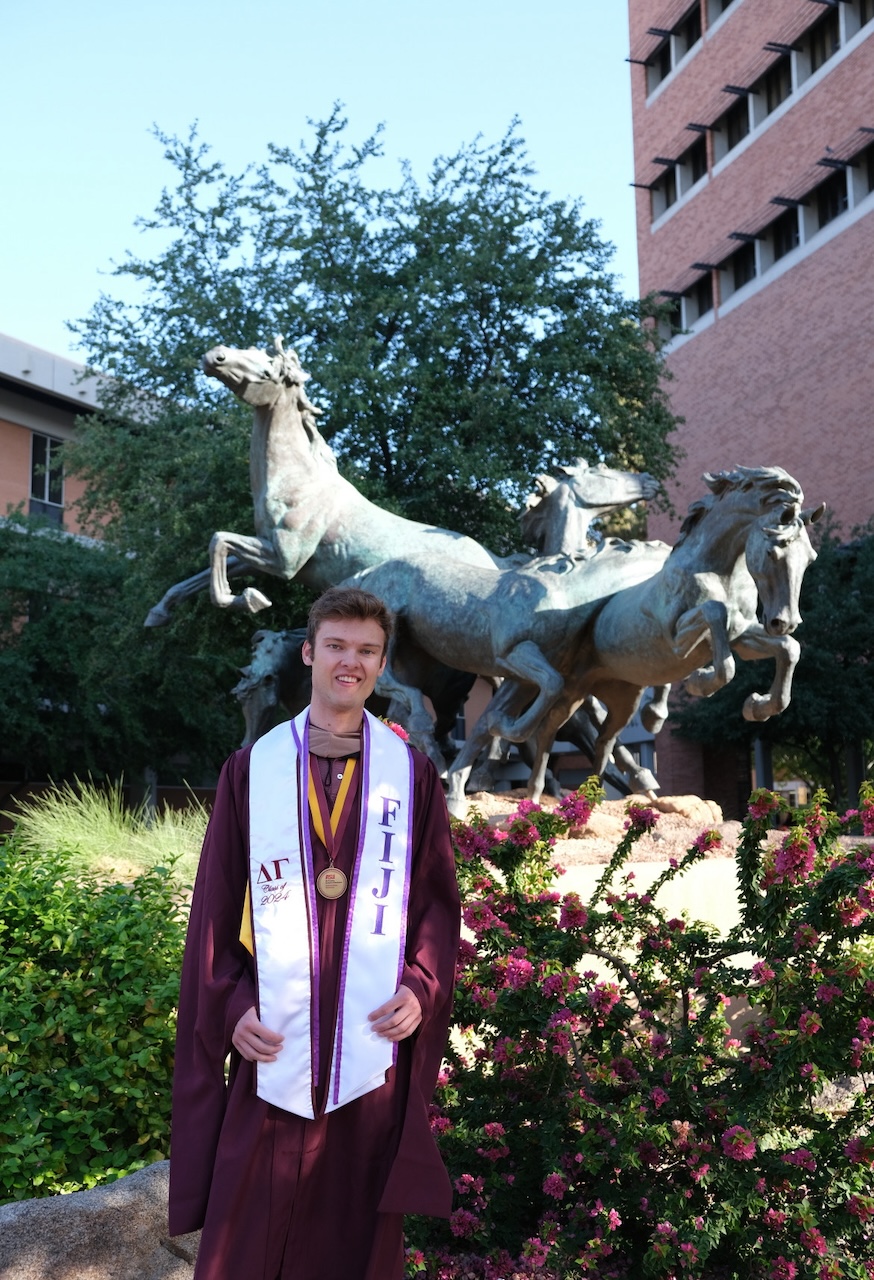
x: 390, y: 807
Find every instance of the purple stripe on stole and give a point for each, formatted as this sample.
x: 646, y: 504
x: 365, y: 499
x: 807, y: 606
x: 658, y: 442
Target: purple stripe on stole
x: 306, y: 844
x: 408, y: 870
x: 364, y: 785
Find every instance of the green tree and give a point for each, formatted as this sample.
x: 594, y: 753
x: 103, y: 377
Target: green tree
x: 831, y: 715
x: 462, y: 335
x: 85, y: 689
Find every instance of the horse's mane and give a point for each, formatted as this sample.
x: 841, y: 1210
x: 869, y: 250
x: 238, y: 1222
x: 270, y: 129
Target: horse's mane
x: 290, y: 371
x: 777, y: 486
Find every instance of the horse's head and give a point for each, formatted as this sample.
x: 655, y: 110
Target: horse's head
x: 778, y: 552
x: 602, y: 487
x: 558, y: 513
x: 258, y: 377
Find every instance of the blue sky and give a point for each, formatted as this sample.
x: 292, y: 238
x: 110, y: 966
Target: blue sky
x: 83, y: 82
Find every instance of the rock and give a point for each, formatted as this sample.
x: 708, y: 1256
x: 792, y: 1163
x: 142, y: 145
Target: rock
x: 115, y: 1232
x: 693, y: 808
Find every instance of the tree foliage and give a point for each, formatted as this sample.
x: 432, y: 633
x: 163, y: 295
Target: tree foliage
x: 462, y: 335
x: 86, y: 690
x: 832, y: 707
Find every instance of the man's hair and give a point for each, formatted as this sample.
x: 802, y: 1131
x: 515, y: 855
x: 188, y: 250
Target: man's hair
x: 349, y: 603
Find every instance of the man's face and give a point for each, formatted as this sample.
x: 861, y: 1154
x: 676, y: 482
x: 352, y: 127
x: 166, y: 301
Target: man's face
x: 346, y: 658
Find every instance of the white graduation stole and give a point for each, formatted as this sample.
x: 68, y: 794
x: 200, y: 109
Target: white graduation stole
x: 285, y: 922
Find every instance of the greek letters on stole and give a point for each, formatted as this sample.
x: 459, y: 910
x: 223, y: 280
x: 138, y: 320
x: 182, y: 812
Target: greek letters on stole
x: 285, y: 921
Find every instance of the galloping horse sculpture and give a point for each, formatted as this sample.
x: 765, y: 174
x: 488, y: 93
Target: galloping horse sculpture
x: 310, y: 522
x: 559, y: 641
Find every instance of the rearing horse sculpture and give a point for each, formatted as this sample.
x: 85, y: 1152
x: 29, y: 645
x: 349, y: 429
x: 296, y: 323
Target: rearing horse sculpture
x: 310, y: 522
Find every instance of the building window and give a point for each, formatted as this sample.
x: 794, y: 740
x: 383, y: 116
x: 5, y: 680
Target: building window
x: 821, y: 42
x: 688, y: 308
x: 715, y: 8
x: 831, y: 198
x: 671, y: 322
x: 684, y: 35
x: 780, y: 237
x: 784, y: 234
x: 863, y: 174
x: 664, y: 192
x: 692, y: 165
x: 738, y: 270
x: 731, y: 128
x: 857, y: 14
x: 699, y: 299
x: 772, y: 88
x: 46, y: 477
x: 688, y: 30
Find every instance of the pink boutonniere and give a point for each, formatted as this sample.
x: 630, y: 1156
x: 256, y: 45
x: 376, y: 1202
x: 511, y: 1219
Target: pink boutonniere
x: 396, y: 728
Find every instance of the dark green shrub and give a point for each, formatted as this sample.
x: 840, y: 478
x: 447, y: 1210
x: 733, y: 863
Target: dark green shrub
x: 89, y: 979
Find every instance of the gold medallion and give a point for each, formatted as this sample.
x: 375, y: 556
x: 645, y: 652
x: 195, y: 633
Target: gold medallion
x: 331, y: 883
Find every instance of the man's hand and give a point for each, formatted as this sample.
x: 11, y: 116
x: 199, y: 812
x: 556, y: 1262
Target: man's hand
x: 398, y: 1017
x: 254, y: 1041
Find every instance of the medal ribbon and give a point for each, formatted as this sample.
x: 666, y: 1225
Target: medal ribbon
x: 330, y: 832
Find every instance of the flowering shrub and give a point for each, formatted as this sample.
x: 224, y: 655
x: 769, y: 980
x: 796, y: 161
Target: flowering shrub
x: 601, y: 1117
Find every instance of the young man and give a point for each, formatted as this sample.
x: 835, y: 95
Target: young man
x: 321, y: 955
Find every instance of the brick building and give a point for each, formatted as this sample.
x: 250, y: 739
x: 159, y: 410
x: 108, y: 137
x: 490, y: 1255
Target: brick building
x: 40, y: 396
x: 754, y: 168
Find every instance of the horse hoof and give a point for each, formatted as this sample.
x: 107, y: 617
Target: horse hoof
x: 457, y: 806
x: 252, y: 600
x: 757, y: 707
x: 652, y: 720
x: 157, y: 617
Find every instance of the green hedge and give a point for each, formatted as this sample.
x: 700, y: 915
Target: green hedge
x: 89, y: 979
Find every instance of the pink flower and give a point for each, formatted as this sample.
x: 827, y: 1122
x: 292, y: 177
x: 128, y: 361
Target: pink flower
x: 827, y: 992
x: 555, y: 1185
x: 706, y: 841
x: 794, y: 860
x: 783, y: 1269
x: 814, y: 1241
x: 861, y: 1207
x: 858, y: 1151
x: 659, y: 1097
x: 809, y: 1023
x: 463, y: 1223
x: 851, y: 912
x: 763, y: 972
x: 519, y: 974
x: 573, y: 914
x: 867, y: 816
x: 640, y: 818
x: 396, y: 728
x: 576, y: 810
x: 805, y: 936
x: 738, y: 1143
x: 603, y: 996
x: 801, y: 1158
x: 761, y: 803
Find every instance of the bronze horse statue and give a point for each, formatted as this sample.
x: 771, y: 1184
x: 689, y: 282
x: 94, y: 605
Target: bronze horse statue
x: 313, y: 524
x: 310, y: 522
x: 559, y: 632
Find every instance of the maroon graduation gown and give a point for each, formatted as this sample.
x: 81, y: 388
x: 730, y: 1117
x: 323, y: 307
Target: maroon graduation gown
x: 281, y: 1197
